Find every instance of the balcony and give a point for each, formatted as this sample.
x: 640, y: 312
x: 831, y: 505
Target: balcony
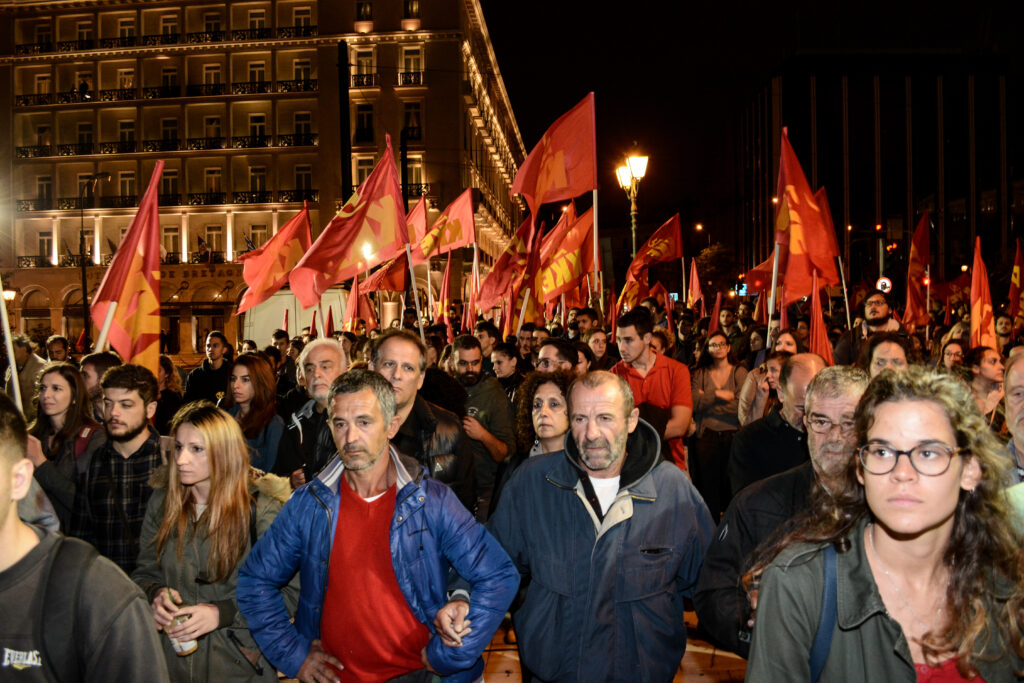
x: 162, y: 39
x: 253, y: 34
x: 298, y: 140
x: 76, y: 45
x: 73, y: 260
x: 205, y: 89
x: 168, y: 199
x: 206, y: 143
x: 417, y: 189
x: 297, y: 195
x: 34, y: 262
x: 120, y: 147
x: 172, y: 258
x: 38, y: 204
x: 249, y: 141
x: 161, y: 145
x: 75, y: 149
x: 254, y: 197
x: 161, y: 91
x: 33, y: 151
x: 33, y: 99
x: 199, y: 257
x: 251, y: 87
x: 119, y: 201
x: 75, y: 95
x: 120, y: 41
x: 117, y: 94
x: 410, y: 78
x: 365, y: 80
x: 300, y: 85
x: 363, y: 136
x: 297, y: 31
x: 206, y: 37
x: 72, y: 204
x: 204, y: 198
x: 34, y: 48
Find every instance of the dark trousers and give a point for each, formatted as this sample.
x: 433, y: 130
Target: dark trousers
x: 709, y: 461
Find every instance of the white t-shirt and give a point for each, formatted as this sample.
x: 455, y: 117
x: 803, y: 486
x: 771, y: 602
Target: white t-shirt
x: 605, y: 490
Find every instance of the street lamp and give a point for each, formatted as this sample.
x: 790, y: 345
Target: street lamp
x: 700, y: 228
x: 88, y: 187
x: 629, y: 176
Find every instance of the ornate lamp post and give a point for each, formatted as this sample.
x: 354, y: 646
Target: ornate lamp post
x: 629, y: 176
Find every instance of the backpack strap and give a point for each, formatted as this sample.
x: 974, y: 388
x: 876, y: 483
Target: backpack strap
x: 827, y: 621
x: 62, y: 586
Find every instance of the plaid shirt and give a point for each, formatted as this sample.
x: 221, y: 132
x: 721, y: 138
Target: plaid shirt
x: 111, y: 500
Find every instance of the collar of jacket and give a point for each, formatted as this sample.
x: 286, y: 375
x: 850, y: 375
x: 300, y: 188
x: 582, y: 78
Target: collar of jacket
x: 408, y: 472
x: 777, y: 422
x: 643, y: 453
x: 890, y: 326
x: 422, y: 412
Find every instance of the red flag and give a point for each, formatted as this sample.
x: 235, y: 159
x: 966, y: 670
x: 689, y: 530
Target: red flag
x: 916, y: 312
x: 510, y: 263
x: 453, y: 229
x: 284, y: 326
x: 761, y: 309
x: 351, y: 306
x: 666, y: 244
x: 818, y: 341
x: 694, y: 293
x: 759, y: 278
x: 368, y: 312
x: 983, y: 323
x: 329, y: 327
x: 369, y: 229
x: 800, y: 227
x: 566, y: 255
x: 632, y: 292
x: 265, y: 270
x: 393, y: 276
x: 659, y: 292
x: 563, y: 165
x: 1016, y: 311
x: 133, y: 281
x: 417, y: 221
x: 444, y: 299
x: 713, y: 324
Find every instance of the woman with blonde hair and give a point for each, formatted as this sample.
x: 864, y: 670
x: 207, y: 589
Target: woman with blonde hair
x: 206, y: 512
x: 911, y: 570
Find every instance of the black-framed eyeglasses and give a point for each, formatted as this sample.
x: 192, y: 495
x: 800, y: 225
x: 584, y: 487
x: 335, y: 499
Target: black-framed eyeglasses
x: 931, y: 460
x: 823, y: 425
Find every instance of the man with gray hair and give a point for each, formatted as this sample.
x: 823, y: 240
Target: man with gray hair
x: 374, y: 540
x: 612, y: 536
x: 759, y: 510
x: 306, y: 445
x: 29, y: 366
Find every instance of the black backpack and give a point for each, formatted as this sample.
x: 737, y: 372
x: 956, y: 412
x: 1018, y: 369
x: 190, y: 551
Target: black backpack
x: 57, y: 609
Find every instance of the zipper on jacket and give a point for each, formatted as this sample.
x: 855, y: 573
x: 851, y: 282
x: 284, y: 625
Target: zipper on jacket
x: 323, y: 587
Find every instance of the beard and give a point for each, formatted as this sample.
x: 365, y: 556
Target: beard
x: 468, y: 379
x: 129, y: 434
x: 599, y: 462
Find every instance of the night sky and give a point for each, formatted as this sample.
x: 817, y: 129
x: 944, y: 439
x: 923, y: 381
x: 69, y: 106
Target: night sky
x: 672, y: 76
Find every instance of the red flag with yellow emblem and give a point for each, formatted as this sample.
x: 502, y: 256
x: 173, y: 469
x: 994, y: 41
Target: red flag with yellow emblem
x: 444, y: 299
x: 417, y: 221
x: 566, y: 255
x: 265, y: 270
x: 666, y: 244
x: 133, y: 281
x: 563, y: 165
x: 369, y: 230
x: 983, y: 323
x: 1016, y: 311
x: 393, y: 276
x: 453, y: 229
x: 510, y: 263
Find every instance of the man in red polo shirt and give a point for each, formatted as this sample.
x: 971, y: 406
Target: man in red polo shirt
x: 656, y: 380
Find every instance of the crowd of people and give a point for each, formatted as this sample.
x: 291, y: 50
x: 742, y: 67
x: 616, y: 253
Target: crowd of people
x: 374, y: 506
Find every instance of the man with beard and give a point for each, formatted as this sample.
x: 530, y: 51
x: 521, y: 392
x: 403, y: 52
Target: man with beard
x: 757, y: 512
x: 112, y: 494
x: 877, y: 314
x: 94, y: 366
x: 488, y: 421
x: 612, y: 539
x: 210, y: 380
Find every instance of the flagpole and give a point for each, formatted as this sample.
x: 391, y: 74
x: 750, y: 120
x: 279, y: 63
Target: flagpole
x: 11, y: 363
x: 927, y: 301
x: 108, y: 320
x: 430, y: 293
x: 415, y: 293
x: 771, y: 294
x: 846, y: 298
x: 522, y: 312
x: 596, y: 246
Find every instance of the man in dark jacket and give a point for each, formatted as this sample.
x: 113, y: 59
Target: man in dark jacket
x: 877, y: 313
x: 210, y: 380
x: 429, y: 433
x: 759, y: 510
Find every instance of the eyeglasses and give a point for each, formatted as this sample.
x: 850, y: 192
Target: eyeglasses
x: 551, y: 364
x: 931, y: 460
x: 823, y: 425
x: 717, y: 345
x: 953, y: 354
x: 872, y: 303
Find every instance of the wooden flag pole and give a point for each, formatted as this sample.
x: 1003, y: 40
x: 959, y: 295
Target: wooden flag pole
x: 596, y: 246
x: 771, y: 293
x: 522, y: 312
x: 101, y: 342
x: 415, y: 293
x: 15, y: 384
x: 846, y: 298
x: 430, y: 294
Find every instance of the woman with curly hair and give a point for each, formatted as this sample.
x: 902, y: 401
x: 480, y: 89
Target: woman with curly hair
x: 67, y: 433
x: 207, y: 510
x: 925, y: 570
x: 542, y: 412
x: 252, y: 400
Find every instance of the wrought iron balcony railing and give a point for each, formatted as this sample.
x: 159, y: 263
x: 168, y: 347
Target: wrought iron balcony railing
x: 122, y: 201
x: 299, y: 85
x: 33, y: 151
x: 410, y: 78
x: 204, y: 198
x: 206, y: 37
x: 75, y: 96
x: 297, y: 195
x: 76, y: 149
x: 117, y: 94
x: 120, y: 41
x: 252, y: 34
x: 120, y: 147
x: 168, y: 199
x: 35, y: 48
x: 72, y: 203
x: 161, y: 91
x: 37, y: 204
x: 162, y: 39
x: 417, y: 189
x: 365, y: 80
x: 298, y: 140
x: 247, y: 141
x: 297, y: 31
x: 73, y: 260
x: 76, y: 45
x: 206, y: 143
x: 205, y: 89
x: 171, y: 259
x: 251, y: 87
x: 33, y: 99
x: 197, y: 257
x: 161, y: 145
x: 254, y: 197
x: 34, y: 262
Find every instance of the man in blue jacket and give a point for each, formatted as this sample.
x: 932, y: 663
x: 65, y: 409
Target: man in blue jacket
x: 611, y: 537
x: 373, y: 541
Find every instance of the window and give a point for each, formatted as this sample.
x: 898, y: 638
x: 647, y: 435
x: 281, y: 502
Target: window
x: 85, y: 134
x: 303, y: 69
x: 42, y: 84
x: 364, y: 166
x: 126, y: 131
x: 44, y: 33
x: 412, y: 60
x: 258, y: 234
x: 257, y: 72
x: 211, y: 22
x: 364, y: 123
x: 83, y: 80
x: 211, y: 74
x: 415, y: 170
x: 168, y: 24
x: 214, y: 235
x: 212, y: 177
x: 364, y: 10
x: 169, y: 185
x: 83, y: 30
x: 126, y: 27
x: 211, y: 126
x: 302, y: 16
x: 364, y: 62
x: 257, y: 178
x: 45, y: 244
x: 257, y: 18
x: 83, y: 179
x: 169, y: 130
x: 172, y: 238
x: 43, y: 136
x: 126, y: 79
x: 411, y: 9
x: 44, y: 187
x: 303, y: 177
x: 169, y: 77
x: 303, y: 123
x: 257, y: 125
x: 412, y: 120
x: 126, y: 183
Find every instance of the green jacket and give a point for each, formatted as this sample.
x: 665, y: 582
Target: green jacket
x: 218, y: 657
x: 868, y: 645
